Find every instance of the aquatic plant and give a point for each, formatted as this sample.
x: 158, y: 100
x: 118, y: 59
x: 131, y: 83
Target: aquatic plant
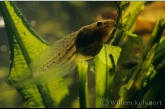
x: 138, y: 86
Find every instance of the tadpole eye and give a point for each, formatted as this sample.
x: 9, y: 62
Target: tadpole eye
x: 99, y: 23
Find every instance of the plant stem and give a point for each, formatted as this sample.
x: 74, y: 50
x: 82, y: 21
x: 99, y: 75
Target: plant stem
x: 83, y: 86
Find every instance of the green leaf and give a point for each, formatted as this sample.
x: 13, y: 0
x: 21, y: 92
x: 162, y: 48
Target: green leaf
x: 124, y: 36
x: 102, y: 66
x: 132, y: 41
x: 25, y: 46
x: 160, y: 52
x: 128, y: 19
x: 136, y: 81
x: 82, y: 68
x: 121, y: 77
x: 131, y: 13
x: 121, y: 5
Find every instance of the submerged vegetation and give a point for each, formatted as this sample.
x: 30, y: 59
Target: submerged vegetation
x: 128, y: 72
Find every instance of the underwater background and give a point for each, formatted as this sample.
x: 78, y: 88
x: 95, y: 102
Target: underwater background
x: 53, y: 20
